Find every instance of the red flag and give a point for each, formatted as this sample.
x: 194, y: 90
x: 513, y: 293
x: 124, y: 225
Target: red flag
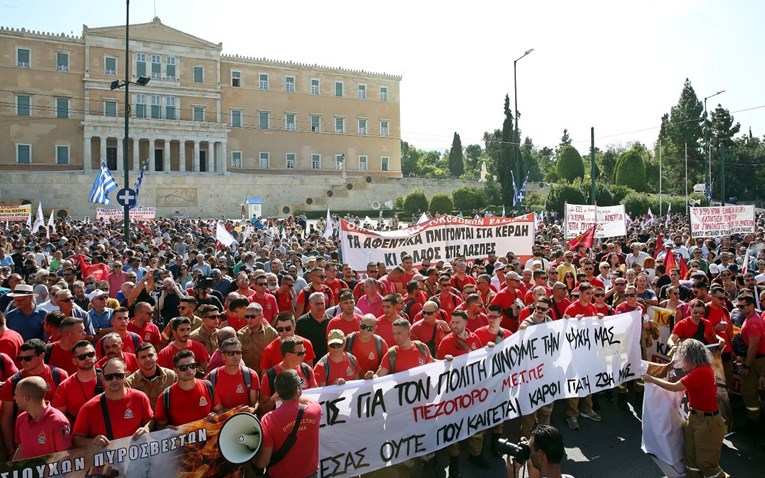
x: 584, y: 239
x: 669, y: 261
x: 659, y: 246
x: 683, y: 268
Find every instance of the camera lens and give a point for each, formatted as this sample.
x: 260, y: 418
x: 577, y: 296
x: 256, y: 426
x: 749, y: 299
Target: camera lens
x: 520, y: 451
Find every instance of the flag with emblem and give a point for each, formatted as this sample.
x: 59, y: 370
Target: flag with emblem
x: 103, y: 185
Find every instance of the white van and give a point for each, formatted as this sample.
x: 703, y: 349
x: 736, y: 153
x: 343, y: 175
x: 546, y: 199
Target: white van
x: 699, y: 188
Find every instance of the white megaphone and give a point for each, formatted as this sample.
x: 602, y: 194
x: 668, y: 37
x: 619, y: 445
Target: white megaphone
x: 240, y: 438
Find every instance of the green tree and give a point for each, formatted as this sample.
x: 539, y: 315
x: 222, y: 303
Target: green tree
x: 473, y: 153
x: 565, y: 140
x: 414, y: 202
x: 606, y: 161
x: 456, y: 161
x: 531, y: 159
x: 506, y: 163
x: 630, y: 170
x: 560, y: 194
x: 570, y: 165
x: 441, y: 203
x: 468, y: 198
x: 410, y: 158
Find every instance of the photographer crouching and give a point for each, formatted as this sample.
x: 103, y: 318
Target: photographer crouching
x: 542, y: 454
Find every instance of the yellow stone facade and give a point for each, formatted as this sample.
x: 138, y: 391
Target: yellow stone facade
x: 202, y: 112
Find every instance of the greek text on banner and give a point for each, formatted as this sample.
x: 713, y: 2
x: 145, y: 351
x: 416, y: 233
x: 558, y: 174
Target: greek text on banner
x: 609, y: 219
x: 15, y: 213
x: 370, y: 424
x: 136, y: 214
x: 721, y: 220
x: 442, y: 238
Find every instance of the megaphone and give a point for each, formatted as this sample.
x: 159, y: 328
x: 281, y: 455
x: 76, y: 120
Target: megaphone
x: 240, y: 438
x: 693, y: 202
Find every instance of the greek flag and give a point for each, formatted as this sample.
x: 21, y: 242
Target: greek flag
x: 103, y: 185
x: 139, y: 179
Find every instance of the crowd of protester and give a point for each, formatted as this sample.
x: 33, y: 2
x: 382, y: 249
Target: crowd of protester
x: 91, y: 327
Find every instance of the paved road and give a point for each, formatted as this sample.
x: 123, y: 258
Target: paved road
x: 611, y: 448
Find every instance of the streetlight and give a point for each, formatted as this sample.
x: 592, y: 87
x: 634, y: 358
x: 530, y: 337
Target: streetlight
x: 706, y: 140
x: 515, y: 88
x: 142, y: 81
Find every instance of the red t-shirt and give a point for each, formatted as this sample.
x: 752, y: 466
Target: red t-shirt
x: 72, y: 394
x: 128, y: 343
x: 529, y: 297
x: 577, y: 308
x: 272, y: 354
x: 6, y: 393
x: 448, y: 302
x: 459, y: 284
x: 605, y: 309
x: 754, y: 326
x: 10, y: 344
x: 306, y: 382
x: 148, y: 333
x: 717, y: 315
x: 269, y: 304
x: 231, y: 389
x: 302, y: 459
x: 423, y: 331
x: 505, y: 299
x: 234, y: 321
x: 50, y: 433
x: 303, y: 296
x: 284, y: 301
x: 385, y: 329
x: 61, y: 358
x: 347, y: 326
x: 455, y: 346
x: 685, y: 329
x: 165, y: 357
x: 346, y: 369
x: 186, y: 405
x: 131, y: 362
x: 8, y: 368
x: 366, y: 354
x: 406, y: 358
x: 485, y: 336
x: 701, y: 388
x: 557, y: 309
x: 126, y: 415
x: 480, y: 320
x: 336, y: 286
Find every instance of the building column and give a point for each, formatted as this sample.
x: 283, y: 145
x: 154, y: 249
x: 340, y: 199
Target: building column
x: 195, y: 160
x: 87, y: 154
x: 166, y: 156
x: 152, y: 147
x: 119, y: 154
x: 212, y: 153
x: 136, y: 154
x: 182, y: 156
x: 102, y: 147
x: 224, y: 158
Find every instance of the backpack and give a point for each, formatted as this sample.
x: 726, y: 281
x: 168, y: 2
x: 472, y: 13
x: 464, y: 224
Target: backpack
x: 271, y: 374
x: 352, y: 338
x: 55, y: 373
x: 166, y: 398
x: 408, y: 306
x: 325, y: 363
x: 135, y: 337
x: 739, y: 346
x: 245, y: 376
x: 393, y: 350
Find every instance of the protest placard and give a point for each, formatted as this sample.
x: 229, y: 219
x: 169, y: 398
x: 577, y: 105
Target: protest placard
x: 719, y: 221
x: 15, y: 213
x: 136, y: 214
x: 610, y: 220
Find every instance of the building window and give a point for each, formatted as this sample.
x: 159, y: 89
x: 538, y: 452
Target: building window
x: 363, y: 163
x: 339, y: 160
x: 22, y: 105
x: 264, y: 160
x: 199, y: 74
x: 156, y: 106
x: 289, y: 121
x: 339, y: 125
x: 110, y: 65
x: 236, y: 159
x: 110, y: 108
x: 362, y: 92
x: 384, y: 163
x: 199, y: 113
x: 62, y: 61
x: 383, y: 93
x: 289, y: 84
x: 384, y: 131
x: 62, y: 107
x: 140, y: 105
x: 263, y: 81
x: 22, y: 57
x: 316, y: 123
x: 362, y: 126
x: 62, y: 155
x: 338, y: 88
x: 236, y: 118
x: 236, y: 78
x: 23, y: 153
x: 170, y: 68
x: 290, y: 160
x: 156, y: 67
x: 315, y: 161
x: 140, y: 64
x: 170, y: 102
x: 314, y: 86
x: 263, y: 119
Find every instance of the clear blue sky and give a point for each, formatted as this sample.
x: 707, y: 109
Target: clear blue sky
x: 616, y: 66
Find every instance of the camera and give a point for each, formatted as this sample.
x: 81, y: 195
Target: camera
x: 157, y: 273
x: 159, y: 287
x: 519, y: 451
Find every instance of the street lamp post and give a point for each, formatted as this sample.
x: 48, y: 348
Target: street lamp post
x: 706, y: 140
x: 515, y: 88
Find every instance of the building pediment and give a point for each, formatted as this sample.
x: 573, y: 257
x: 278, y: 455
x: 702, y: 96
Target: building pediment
x: 154, y: 31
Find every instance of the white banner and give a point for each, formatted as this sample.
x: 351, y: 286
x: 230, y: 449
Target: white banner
x: 664, y: 318
x: 15, y: 213
x: 370, y: 424
x: 440, y: 238
x: 136, y: 214
x: 721, y: 220
x: 611, y: 220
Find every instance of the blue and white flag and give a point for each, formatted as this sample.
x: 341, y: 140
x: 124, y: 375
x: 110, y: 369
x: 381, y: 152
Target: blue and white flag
x: 139, y: 179
x: 515, y: 189
x: 669, y: 215
x: 522, y: 191
x: 103, y: 185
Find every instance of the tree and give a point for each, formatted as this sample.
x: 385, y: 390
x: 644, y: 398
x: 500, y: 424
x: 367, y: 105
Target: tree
x: 506, y: 163
x: 565, y: 140
x: 468, y: 198
x: 473, y: 153
x: 570, y: 165
x: 531, y: 160
x: 561, y: 194
x: 456, y: 164
x: 630, y: 170
x: 441, y: 203
x: 410, y: 159
x: 415, y: 202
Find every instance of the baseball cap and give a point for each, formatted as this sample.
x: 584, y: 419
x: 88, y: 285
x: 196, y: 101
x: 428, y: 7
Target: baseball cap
x: 336, y: 336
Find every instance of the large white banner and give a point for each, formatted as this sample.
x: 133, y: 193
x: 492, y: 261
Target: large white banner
x: 136, y: 214
x: 610, y: 220
x: 719, y: 221
x: 665, y: 319
x: 440, y: 238
x: 370, y: 424
x: 15, y: 213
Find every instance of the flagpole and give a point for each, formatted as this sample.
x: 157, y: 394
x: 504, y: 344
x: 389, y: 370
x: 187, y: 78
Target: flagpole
x: 127, y: 120
x: 659, y: 177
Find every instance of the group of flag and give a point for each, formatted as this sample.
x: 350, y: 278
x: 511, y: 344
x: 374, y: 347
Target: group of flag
x: 105, y: 183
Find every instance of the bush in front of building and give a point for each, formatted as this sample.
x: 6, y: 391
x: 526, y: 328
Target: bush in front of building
x: 441, y: 203
x: 415, y: 202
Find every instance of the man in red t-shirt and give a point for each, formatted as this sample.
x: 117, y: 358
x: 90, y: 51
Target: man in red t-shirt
x: 429, y: 326
x: 302, y: 459
x: 143, y: 326
x: 338, y: 366
x: 285, y: 294
x: 317, y: 285
x: 71, y: 331
x: 266, y: 300
x: 695, y: 327
x: 130, y: 340
x: 406, y: 353
x: 753, y: 364
x: 234, y: 383
x: 474, y: 310
x: 181, y: 332
x: 129, y: 411
x: 78, y: 388
x: 348, y: 320
x: 509, y: 299
x: 293, y: 349
x: 189, y: 398
x: 285, y: 327
x: 366, y: 346
x: 112, y: 345
x: 389, y: 315
x: 719, y: 316
x: 460, y: 278
x: 40, y: 429
x: 447, y: 299
x: 10, y: 341
x: 336, y: 285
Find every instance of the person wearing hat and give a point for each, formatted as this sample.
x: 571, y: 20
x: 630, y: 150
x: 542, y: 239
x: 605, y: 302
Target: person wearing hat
x: 26, y: 318
x: 509, y: 299
x: 337, y: 366
x: 100, y: 314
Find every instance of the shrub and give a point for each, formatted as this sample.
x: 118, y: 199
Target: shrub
x: 570, y: 165
x: 415, y: 201
x: 441, y: 203
x: 561, y: 194
x: 630, y: 171
x: 468, y: 198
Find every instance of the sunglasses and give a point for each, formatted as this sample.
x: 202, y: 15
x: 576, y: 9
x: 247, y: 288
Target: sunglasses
x: 112, y: 376
x: 183, y: 368
x: 321, y: 276
x: 542, y: 309
x: 335, y: 346
x: 261, y: 284
x: 600, y: 295
x: 369, y: 328
x: 252, y: 316
x: 284, y: 329
x: 85, y: 355
x: 630, y: 295
x: 26, y: 358
x: 299, y: 354
x: 428, y: 312
x: 231, y: 353
x: 214, y: 317
x: 68, y: 299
